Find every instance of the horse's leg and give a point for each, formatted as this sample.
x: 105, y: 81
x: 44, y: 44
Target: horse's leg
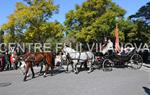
x: 46, y: 70
x: 22, y: 67
x: 26, y: 71
x: 68, y: 63
x: 41, y: 70
x: 67, y: 66
x: 85, y: 65
x: 81, y: 65
x: 75, y: 68
x: 72, y: 66
x: 90, y: 66
x: 33, y: 75
x: 52, y: 69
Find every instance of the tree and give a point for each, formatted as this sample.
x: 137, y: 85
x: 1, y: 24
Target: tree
x: 127, y: 29
x: 143, y: 14
x: 142, y: 21
x: 31, y: 21
x: 1, y: 36
x: 92, y: 20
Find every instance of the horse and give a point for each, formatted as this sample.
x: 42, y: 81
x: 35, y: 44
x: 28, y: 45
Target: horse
x: 65, y: 58
x: 78, y: 57
x: 37, y: 58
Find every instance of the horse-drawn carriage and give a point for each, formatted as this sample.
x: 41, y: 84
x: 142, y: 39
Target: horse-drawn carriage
x: 112, y: 59
x: 107, y: 60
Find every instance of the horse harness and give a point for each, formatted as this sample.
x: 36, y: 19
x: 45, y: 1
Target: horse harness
x: 32, y: 58
x: 78, y: 59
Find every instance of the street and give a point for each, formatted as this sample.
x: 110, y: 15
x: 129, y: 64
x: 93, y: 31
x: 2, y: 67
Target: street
x: 120, y: 81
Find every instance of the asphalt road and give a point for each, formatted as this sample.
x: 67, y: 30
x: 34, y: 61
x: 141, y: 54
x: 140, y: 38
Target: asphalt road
x: 122, y: 81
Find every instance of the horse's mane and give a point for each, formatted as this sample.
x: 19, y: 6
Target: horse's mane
x: 70, y: 49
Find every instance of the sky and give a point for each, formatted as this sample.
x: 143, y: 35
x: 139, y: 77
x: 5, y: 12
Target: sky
x: 8, y: 6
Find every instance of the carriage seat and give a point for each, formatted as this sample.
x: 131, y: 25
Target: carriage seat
x: 126, y: 51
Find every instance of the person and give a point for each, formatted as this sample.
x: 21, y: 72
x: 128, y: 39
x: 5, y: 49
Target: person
x: 110, y: 47
x: 110, y: 44
x: 7, y: 60
x: 12, y: 58
x: 104, y: 44
x: 1, y: 63
x: 58, y: 59
x: 125, y: 51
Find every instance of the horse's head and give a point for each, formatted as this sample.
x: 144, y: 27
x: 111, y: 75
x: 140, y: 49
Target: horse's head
x: 66, y: 52
x: 62, y: 54
x: 67, y: 49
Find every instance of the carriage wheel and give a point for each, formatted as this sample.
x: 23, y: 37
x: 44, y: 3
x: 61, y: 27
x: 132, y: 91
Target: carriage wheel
x: 136, y: 61
x: 107, y: 65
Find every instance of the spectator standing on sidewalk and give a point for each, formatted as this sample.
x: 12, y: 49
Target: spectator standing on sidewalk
x: 7, y: 60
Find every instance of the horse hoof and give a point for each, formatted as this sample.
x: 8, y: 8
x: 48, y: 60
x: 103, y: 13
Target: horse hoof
x: 24, y: 80
x: 40, y: 74
x: 44, y: 76
x: 72, y: 70
x: 89, y: 71
x: 76, y: 72
x: 28, y: 75
x: 33, y: 77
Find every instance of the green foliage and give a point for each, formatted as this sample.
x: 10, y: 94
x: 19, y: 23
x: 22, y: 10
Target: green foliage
x: 1, y: 36
x: 142, y: 21
x: 121, y: 35
x: 31, y: 22
x: 143, y: 14
x: 93, y: 19
x: 128, y: 28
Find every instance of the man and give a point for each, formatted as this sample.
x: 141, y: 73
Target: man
x: 110, y: 47
x: 7, y: 60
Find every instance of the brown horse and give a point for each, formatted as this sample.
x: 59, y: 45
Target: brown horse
x: 37, y: 58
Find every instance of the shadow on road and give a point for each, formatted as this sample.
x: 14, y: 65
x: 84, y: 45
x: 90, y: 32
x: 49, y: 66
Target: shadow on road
x: 5, y: 84
x: 56, y: 71
x: 147, y: 90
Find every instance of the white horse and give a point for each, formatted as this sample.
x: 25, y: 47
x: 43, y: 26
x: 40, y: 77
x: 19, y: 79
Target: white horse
x: 79, y: 57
